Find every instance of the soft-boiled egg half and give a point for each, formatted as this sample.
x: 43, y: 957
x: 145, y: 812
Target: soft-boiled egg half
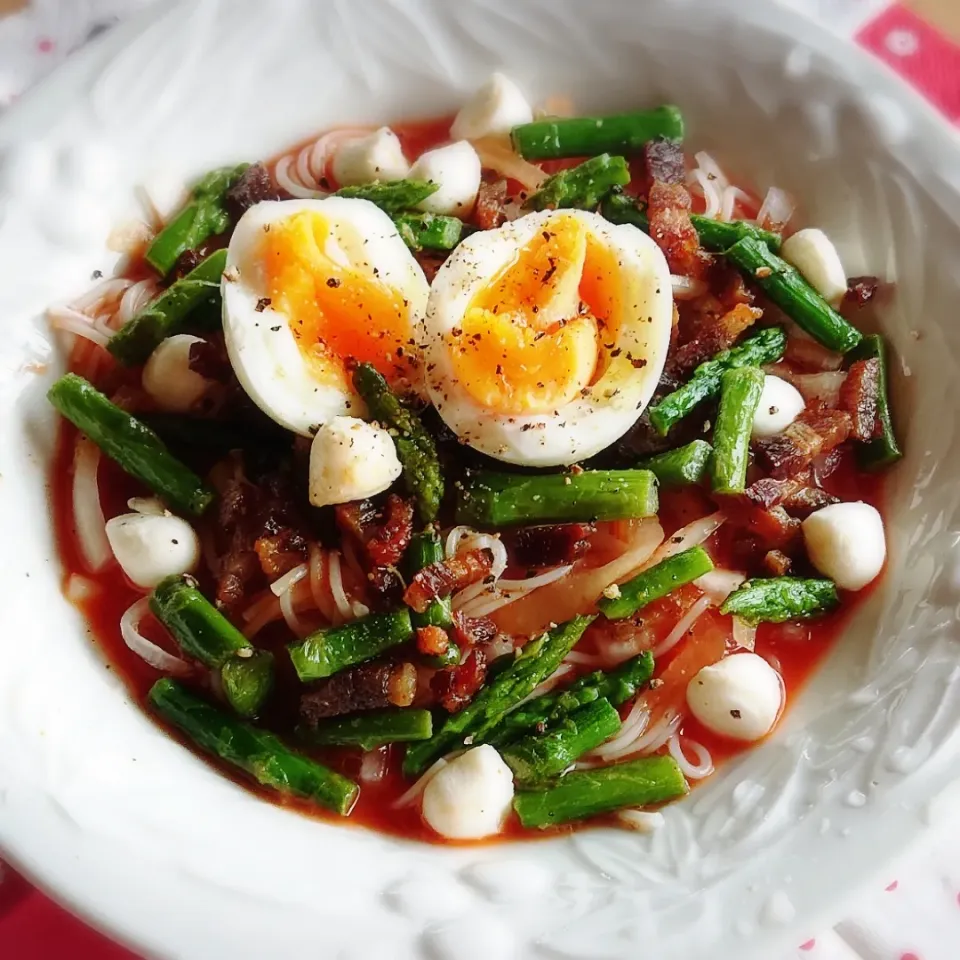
x: 545, y: 338
x: 309, y: 286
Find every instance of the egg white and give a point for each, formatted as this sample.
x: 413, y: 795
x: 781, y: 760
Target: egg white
x: 261, y: 345
x: 590, y: 423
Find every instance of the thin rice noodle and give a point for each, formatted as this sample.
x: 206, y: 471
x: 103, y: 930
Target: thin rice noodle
x: 689, y: 536
x: 146, y: 649
x: 718, y: 584
x: 300, y: 173
x: 643, y: 821
x: 414, y: 792
x: 71, y: 321
x: 678, y: 749
x: 319, y: 584
x: 283, y: 584
x: 504, y: 592
x: 683, y: 626
x: 87, y: 512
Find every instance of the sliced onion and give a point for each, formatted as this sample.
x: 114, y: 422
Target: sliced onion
x: 824, y: 387
x: 776, y: 210
x: 148, y: 651
x: 498, y: 647
x: 711, y: 194
x: 507, y: 591
x: 687, y: 288
x: 583, y: 659
x: 300, y: 173
x: 683, y: 626
x: 148, y: 506
x: 744, y: 634
x: 643, y: 821
x: 718, y: 584
x: 373, y: 765
x: 689, y: 536
x: 135, y: 299
x: 711, y: 168
x: 318, y: 583
x: 281, y: 585
x: 404, y: 800
x: 87, y: 512
x: 728, y: 201
x: 703, y: 766
x: 497, y: 154
x: 340, y: 598
x: 107, y: 291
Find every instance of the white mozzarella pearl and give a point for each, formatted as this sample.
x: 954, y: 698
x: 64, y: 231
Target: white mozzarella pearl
x: 150, y: 546
x: 496, y: 108
x: 845, y: 541
x: 378, y: 156
x: 167, y: 376
x: 780, y: 404
x: 812, y: 252
x: 456, y: 171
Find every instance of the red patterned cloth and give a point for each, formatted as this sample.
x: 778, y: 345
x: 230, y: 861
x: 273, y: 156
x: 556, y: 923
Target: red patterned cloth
x: 32, y: 927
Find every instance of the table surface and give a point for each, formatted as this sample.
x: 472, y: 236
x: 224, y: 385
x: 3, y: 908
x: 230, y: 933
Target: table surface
x: 914, y: 912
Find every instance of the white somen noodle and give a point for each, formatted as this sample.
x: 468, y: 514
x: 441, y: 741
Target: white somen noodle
x: 146, y: 649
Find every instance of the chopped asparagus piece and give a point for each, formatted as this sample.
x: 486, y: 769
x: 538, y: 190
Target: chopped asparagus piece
x: 260, y: 754
x: 581, y: 187
x: 781, y: 598
x: 538, y: 757
x: 415, y: 446
x: 428, y: 231
x: 370, y: 730
x: 784, y: 285
x: 332, y: 649
x: 535, y: 662
x: 393, y: 197
x: 740, y: 391
x: 136, y: 448
x: 502, y: 499
x: 624, y: 133
x: 884, y: 450
x: 141, y: 335
x: 247, y: 681
x: 679, y: 467
x: 587, y: 793
x: 656, y: 582
x: 762, y: 348
x: 426, y: 548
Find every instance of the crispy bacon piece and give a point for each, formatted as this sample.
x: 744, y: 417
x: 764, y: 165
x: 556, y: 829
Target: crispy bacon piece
x: 382, y: 536
x: 807, y: 499
x: 767, y: 492
x: 446, y: 577
x: 184, y: 264
x: 454, y: 687
x: 368, y: 686
x: 280, y: 552
x: 432, y: 641
x: 668, y: 209
x: 664, y: 160
x: 254, y: 186
x: 469, y: 631
x: 860, y: 291
x: 209, y: 359
x: 817, y: 430
x: 858, y: 396
x: 491, y: 197
x: 777, y: 563
x: 773, y: 528
x: 713, y: 335
x: 550, y: 545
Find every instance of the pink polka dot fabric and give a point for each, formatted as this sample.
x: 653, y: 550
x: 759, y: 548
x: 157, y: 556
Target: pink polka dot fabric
x: 914, y: 916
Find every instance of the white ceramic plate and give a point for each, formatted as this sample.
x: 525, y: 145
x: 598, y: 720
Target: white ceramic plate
x: 141, y: 837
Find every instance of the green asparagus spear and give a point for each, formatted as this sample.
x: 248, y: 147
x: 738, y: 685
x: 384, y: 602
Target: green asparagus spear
x: 205, y: 634
x: 258, y: 753
x: 581, y: 187
x: 136, y: 448
x: 684, y: 465
x: 500, y: 499
x: 624, y: 133
x: 428, y: 231
x: 415, y: 446
x: 544, y: 712
x: 202, y: 217
x: 332, y: 649
x: 535, y: 662
x: 656, y: 582
x: 370, y: 730
x: 781, y: 598
x: 393, y: 197
x: 784, y: 285
x: 586, y: 793
x: 715, y: 235
x: 539, y: 757
x: 426, y: 548
x: 762, y: 348
x: 740, y: 390
x: 884, y: 450
x: 166, y: 315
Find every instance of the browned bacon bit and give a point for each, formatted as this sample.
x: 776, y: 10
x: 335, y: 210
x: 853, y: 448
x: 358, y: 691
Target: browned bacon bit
x: 469, y: 631
x: 550, y: 545
x: 446, y: 577
x: 184, y: 264
x: 430, y: 263
x: 767, y: 492
x: 807, y: 499
x: 668, y: 209
x: 280, y: 552
x: 817, y: 430
x: 860, y: 291
x: 491, y: 197
x: 858, y: 396
x: 432, y: 641
x: 774, y: 528
x: 368, y: 686
x: 712, y: 337
x: 777, y: 563
x: 454, y: 687
x: 382, y: 535
x: 254, y: 186
x: 664, y: 160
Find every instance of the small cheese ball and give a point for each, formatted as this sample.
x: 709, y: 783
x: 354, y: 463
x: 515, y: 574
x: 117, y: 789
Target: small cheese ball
x: 740, y: 697
x: 377, y: 156
x: 455, y: 169
x: 780, y: 404
x: 846, y: 542
x: 167, y: 376
x: 812, y: 252
x: 470, y: 797
x: 351, y: 459
x: 151, y: 546
x: 496, y: 108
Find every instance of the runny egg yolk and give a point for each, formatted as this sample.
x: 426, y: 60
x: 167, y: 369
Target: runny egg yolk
x: 335, y: 312
x: 539, y: 333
